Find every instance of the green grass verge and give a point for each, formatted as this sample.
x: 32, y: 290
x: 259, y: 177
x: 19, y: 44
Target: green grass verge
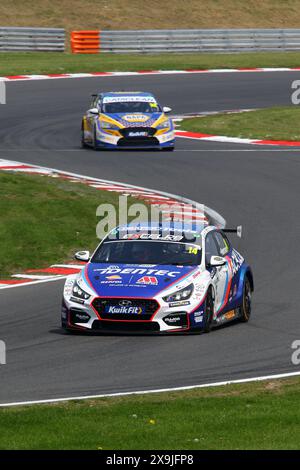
x: 278, y: 123
x: 263, y: 415
x: 46, y: 220
x: 43, y: 63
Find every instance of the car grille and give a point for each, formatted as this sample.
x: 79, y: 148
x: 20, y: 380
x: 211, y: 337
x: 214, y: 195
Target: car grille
x: 127, y: 130
x: 138, y: 140
x: 132, y: 327
x: 149, y: 307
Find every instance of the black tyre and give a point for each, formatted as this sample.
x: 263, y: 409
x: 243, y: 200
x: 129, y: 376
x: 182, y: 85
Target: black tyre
x: 168, y: 149
x: 95, y: 140
x: 83, y: 144
x: 245, y: 309
x: 208, y: 312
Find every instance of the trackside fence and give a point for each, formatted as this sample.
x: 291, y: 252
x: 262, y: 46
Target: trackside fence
x: 32, y: 39
x: 185, y: 40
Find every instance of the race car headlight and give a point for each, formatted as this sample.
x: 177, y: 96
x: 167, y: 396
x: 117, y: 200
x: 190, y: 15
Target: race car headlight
x: 108, y: 125
x: 164, y: 125
x: 182, y: 294
x: 79, y: 293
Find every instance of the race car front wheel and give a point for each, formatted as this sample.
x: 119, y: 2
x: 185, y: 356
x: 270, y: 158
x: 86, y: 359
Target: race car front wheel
x: 95, y: 140
x: 245, y: 309
x: 208, y: 311
x: 83, y: 144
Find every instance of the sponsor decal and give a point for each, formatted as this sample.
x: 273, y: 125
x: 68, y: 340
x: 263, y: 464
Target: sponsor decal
x: 172, y: 319
x: 78, y: 301
x: 152, y: 236
x: 196, y: 275
x: 198, y: 319
x: 198, y: 316
x: 199, y: 313
x: 113, y: 279
x: 200, y: 288
x: 147, y: 265
x: 237, y: 260
x: 123, y: 309
x: 136, y: 118
x: 138, y: 134
x: 178, y: 320
x: 145, y: 271
x: 149, y: 280
x: 129, y: 99
x: 179, y: 303
x: 82, y: 317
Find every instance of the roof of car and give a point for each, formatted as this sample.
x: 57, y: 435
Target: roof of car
x: 126, y: 93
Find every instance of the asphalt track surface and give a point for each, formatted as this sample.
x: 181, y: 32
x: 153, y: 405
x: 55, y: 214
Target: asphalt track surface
x: 255, y: 186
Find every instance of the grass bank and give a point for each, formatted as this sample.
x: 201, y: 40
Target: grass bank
x: 263, y: 415
x: 138, y: 14
x: 278, y: 123
x: 17, y: 63
x: 44, y: 221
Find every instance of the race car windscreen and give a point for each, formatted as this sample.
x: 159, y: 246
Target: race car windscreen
x: 148, y: 252
x: 131, y: 107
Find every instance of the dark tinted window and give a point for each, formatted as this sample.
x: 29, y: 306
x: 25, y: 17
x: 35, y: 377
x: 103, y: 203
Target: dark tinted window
x: 148, y: 252
x: 222, y: 243
x: 210, y: 247
x: 130, y: 107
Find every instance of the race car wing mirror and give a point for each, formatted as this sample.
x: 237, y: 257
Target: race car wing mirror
x: 217, y: 261
x: 166, y: 109
x: 238, y: 230
x: 93, y: 111
x: 82, y: 255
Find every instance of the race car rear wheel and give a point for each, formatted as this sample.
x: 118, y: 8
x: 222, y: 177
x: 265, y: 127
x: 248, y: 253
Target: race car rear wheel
x: 245, y: 309
x: 168, y: 149
x: 208, y: 311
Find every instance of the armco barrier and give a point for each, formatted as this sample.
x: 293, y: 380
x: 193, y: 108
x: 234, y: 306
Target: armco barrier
x: 186, y: 40
x: 32, y: 39
x: 85, y: 42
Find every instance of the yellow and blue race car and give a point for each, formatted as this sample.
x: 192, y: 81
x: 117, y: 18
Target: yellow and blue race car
x: 127, y: 120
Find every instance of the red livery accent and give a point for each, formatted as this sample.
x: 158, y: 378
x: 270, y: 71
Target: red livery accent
x: 150, y: 280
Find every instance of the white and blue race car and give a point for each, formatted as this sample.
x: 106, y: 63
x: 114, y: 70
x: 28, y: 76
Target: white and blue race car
x: 126, y: 120
x: 159, y: 279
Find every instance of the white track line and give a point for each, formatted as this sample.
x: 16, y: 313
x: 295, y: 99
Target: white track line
x: 34, y: 276
x: 146, y: 392
x: 30, y: 283
x: 68, y: 266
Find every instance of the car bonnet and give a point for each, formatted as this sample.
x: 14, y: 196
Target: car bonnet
x: 132, y: 280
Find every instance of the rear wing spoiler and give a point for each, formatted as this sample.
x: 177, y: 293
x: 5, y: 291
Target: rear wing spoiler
x: 238, y: 230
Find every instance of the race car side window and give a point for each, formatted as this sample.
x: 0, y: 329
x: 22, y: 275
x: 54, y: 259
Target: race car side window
x: 222, y: 242
x: 94, y: 102
x: 210, y: 247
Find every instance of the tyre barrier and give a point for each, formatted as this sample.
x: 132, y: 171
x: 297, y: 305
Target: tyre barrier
x: 85, y: 42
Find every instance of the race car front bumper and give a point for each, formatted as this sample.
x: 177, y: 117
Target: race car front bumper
x: 154, y: 319
x: 129, y: 138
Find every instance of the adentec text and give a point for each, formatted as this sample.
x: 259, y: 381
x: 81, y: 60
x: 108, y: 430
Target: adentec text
x: 170, y: 460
